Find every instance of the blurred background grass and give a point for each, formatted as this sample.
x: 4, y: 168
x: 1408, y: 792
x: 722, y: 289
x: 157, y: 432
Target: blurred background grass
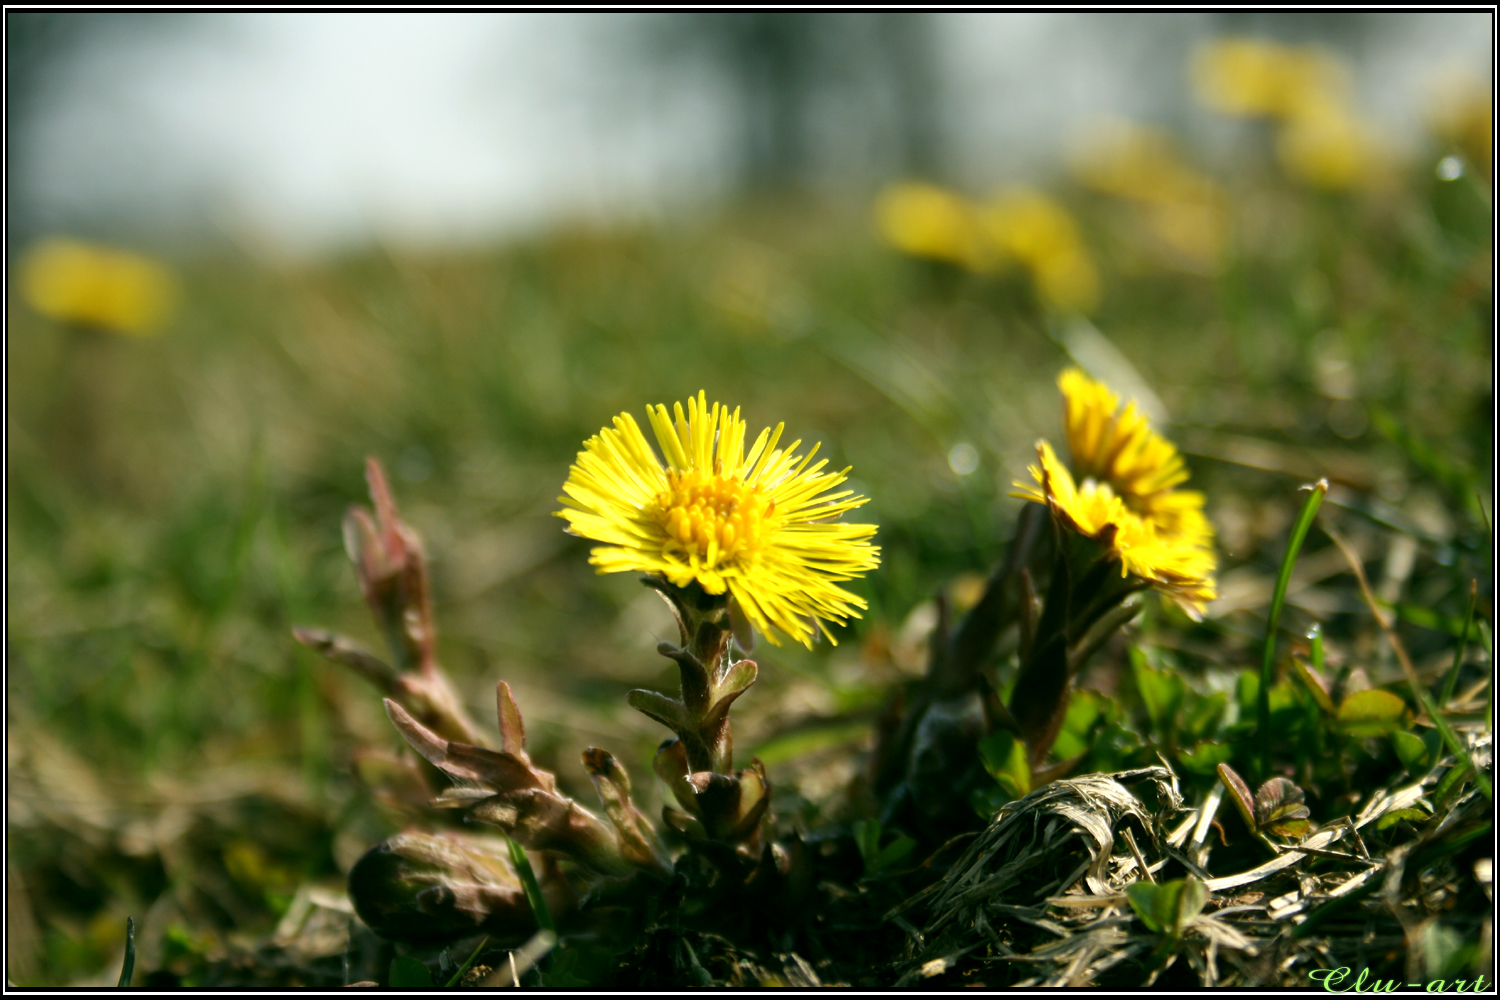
x: 173, y: 501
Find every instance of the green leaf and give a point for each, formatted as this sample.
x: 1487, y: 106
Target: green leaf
x: 409, y: 974
x: 867, y: 839
x: 1315, y: 684
x: 1285, y: 701
x: 987, y: 800
x: 1451, y: 781
x: 736, y: 680
x: 1142, y: 896
x: 1169, y: 907
x: 1371, y: 713
x: 1204, y: 714
x: 668, y: 711
x: 1279, y: 808
x: 1395, y: 816
x: 1205, y: 757
x: 1083, y: 712
x: 1240, y: 732
x: 1247, y: 691
x: 1116, y: 747
x: 1239, y: 792
x: 1433, y: 740
x: 1004, y: 757
x: 894, y: 852
x: 1412, y: 752
x: 1273, y: 618
x: 1190, y: 900
x: 1162, y: 692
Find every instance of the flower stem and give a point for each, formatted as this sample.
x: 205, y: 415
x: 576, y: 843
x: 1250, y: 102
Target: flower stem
x: 1278, y: 597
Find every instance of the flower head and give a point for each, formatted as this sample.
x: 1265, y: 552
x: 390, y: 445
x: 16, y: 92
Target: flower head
x: 1119, y: 449
x: 1328, y: 146
x: 1029, y: 227
x: 928, y: 221
x: 98, y: 286
x: 1019, y: 226
x: 757, y: 524
x: 1185, y: 211
x: 1321, y: 140
x: 1179, y: 565
x: 1241, y: 76
x: 1463, y: 115
x: 1125, y: 494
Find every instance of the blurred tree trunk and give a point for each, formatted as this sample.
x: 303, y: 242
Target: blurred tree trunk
x: 801, y: 81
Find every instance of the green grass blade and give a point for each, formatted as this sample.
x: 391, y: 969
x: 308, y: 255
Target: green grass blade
x: 533, y: 889
x: 128, y: 969
x: 465, y: 967
x: 311, y: 716
x: 1426, y: 618
x: 1463, y: 644
x: 1418, y: 689
x: 1278, y: 598
x: 1451, y: 739
x: 1455, y: 477
x: 1489, y: 653
x: 1489, y: 527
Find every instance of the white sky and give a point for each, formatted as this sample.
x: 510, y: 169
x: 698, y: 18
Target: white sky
x: 312, y: 131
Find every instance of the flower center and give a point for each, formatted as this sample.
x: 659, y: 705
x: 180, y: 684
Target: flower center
x: 715, y: 519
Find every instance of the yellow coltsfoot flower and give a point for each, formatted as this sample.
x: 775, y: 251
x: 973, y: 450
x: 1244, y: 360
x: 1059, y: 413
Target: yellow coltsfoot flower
x: 928, y: 221
x: 1125, y: 492
x: 1035, y: 230
x: 1178, y: 565
x: 100, y: 287
x: 1119, y: 449
x: 758, y: 525
x: 1244, y: 76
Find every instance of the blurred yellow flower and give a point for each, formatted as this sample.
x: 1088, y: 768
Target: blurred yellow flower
x: 1328, y: 147
x: 1018, y: 226
x: 1321, y: 140
x: 1463, y: 115
x: 760, y: 526
x: 1135, y: 161
x: 75, y: 282
x: 1242, y: 76
x: 1183, y: 208
x: 928, y: 221
x: 1033, y: 229
x: 1178, y: 566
